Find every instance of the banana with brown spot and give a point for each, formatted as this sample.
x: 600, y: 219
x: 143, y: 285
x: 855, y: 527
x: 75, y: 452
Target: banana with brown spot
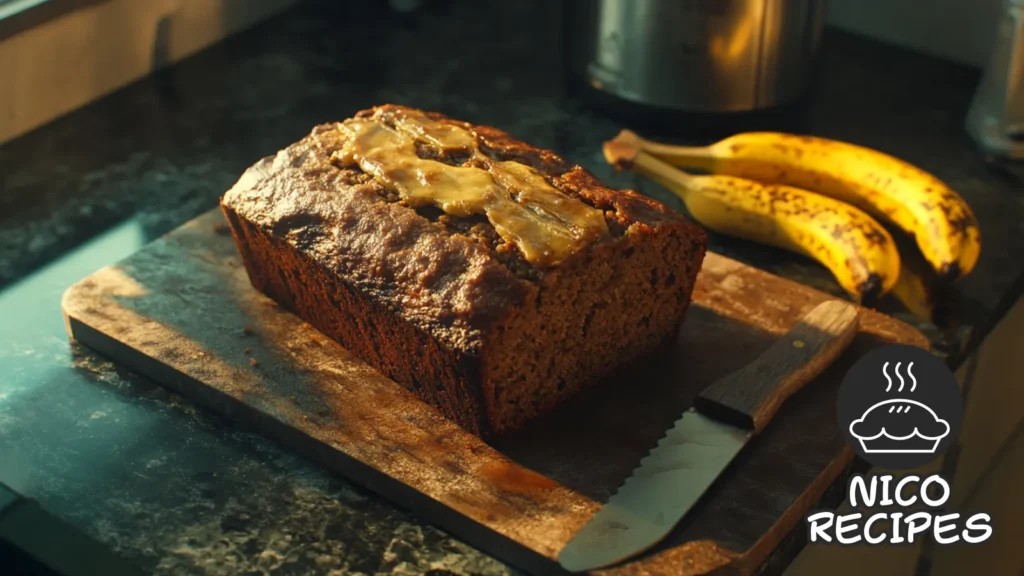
x: 941, y: 223
x: 858, y: 251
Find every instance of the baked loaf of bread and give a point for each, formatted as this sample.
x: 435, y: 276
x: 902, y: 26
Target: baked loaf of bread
x: 490, y: 277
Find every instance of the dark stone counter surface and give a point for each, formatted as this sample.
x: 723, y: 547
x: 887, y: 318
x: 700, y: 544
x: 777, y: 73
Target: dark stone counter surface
x: 180, y: 491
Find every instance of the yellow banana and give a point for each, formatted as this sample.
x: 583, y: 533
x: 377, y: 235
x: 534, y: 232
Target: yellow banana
x: 915, y: 294
x: 940, y: 221
x: 859, y: 252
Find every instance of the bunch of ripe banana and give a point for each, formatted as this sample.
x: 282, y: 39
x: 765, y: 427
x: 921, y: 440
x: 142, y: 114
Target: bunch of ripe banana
x: 759, y: 187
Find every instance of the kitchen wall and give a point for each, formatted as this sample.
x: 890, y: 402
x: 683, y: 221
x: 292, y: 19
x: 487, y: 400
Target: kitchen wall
x: 960, y: 30
x: 65, y: 63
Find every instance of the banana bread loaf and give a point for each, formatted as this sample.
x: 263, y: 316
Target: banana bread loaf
x: 488, y: 276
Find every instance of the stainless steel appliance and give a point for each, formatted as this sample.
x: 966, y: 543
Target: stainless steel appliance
x: 996, y: 117
x: 695, y: 55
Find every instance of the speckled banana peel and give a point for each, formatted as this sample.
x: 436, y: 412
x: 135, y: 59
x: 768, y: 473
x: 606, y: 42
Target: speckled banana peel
x: 858, y: 251
x: 890, y: 189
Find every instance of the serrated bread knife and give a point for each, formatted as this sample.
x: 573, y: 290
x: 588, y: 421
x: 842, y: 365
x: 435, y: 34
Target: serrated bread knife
x: 701, y: 444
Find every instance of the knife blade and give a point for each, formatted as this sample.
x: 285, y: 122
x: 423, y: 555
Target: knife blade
x: 700, y: 445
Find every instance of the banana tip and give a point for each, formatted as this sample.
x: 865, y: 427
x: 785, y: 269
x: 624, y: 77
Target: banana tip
x: 870, y: 290
x: 950, y: 272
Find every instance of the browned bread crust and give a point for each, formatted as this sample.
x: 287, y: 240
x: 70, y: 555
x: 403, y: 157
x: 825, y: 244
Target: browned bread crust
x: 443, y: 305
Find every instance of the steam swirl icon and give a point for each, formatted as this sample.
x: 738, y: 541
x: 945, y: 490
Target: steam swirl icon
x: 899, y: 425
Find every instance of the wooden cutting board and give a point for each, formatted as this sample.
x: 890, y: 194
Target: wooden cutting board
x: 182, y: 312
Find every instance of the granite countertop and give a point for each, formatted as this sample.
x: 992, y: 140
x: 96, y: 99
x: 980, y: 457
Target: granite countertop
x: 179, y: 490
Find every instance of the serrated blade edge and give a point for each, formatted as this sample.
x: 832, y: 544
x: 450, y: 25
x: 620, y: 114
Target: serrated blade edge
x: 656, y: 496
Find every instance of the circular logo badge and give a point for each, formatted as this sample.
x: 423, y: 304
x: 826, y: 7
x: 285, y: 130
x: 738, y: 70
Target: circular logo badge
x: 900, y: 407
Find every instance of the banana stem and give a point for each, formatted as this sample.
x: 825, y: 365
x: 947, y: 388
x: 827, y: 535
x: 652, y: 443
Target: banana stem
x: 624, y: 152
x: 679, y: 182
x: 698, y: 157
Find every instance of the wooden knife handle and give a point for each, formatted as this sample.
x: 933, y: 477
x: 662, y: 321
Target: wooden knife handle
x: 751, y: 396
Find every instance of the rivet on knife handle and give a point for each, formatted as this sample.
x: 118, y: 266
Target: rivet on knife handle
x: 692, y: 453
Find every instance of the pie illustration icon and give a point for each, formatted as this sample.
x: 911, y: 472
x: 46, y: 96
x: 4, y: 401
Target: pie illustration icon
x: 906, y: 418
x: 899, y: 426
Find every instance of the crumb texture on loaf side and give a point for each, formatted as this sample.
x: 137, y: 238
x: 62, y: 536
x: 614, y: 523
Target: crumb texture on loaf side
x: 611, y: 309
x: 443, y: 305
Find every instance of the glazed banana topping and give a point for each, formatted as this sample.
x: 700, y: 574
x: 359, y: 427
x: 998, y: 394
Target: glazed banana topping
x: 524, y: 209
